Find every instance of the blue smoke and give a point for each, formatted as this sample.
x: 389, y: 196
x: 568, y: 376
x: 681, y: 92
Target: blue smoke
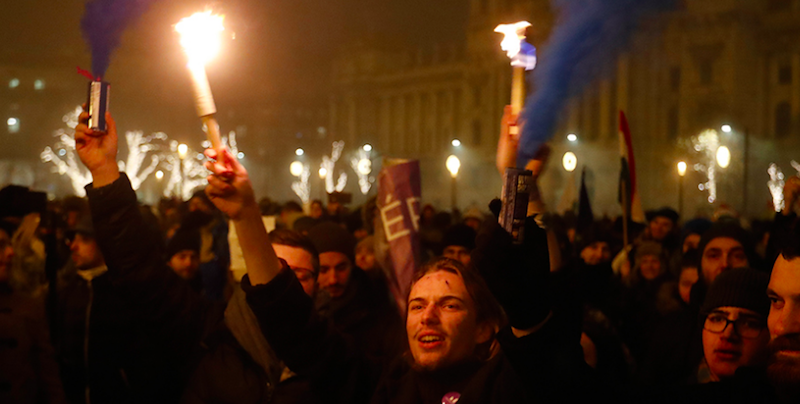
x: 584, y: 45
x: 103, y: 23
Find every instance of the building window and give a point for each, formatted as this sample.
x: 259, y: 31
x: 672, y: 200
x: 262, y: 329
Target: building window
x: 783, y: 120
x: 38, y: 85
x: 672, y: 123
x: 476, y: 133
x: 675, y: 79
x: 706, y: 72
x: 785, y: 74
x: 13, y: 125
x: 779, y: 5
x: 13, y: 83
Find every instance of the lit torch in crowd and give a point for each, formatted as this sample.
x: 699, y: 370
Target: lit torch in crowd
x: 200, y: 38
x: 523, y: 58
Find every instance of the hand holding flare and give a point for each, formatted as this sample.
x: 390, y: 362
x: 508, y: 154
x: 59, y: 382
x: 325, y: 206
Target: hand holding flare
x: 201, y: 40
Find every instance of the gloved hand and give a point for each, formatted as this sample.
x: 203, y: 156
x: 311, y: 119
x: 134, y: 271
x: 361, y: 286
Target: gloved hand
x: 517, y: 275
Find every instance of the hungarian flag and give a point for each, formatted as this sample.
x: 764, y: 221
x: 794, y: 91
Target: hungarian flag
x: 627, y: 175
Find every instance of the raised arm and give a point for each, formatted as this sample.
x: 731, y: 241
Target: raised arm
x: 229, y: 188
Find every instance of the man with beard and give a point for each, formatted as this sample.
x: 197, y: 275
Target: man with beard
x: 784, y: 325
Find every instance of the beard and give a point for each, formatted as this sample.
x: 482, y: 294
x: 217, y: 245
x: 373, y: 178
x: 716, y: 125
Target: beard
x: 784, y: 372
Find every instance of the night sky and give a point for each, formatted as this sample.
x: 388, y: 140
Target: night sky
x: 285, y: 45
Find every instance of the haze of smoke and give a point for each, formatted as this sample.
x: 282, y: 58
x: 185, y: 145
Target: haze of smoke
x: 584, y: 45
x: 103, y: 23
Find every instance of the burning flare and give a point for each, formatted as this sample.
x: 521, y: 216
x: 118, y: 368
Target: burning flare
x: 200, y: 36
x: 521, y: 53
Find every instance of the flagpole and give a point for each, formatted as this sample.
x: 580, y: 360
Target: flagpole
x: 624, y: 215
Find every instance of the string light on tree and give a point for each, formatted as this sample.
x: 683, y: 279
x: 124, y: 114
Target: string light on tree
x: 362, y: 165
x: 328, y: 164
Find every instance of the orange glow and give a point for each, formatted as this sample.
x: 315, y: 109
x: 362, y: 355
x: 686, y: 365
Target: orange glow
x: 200, y: 36
x: 514, y: 34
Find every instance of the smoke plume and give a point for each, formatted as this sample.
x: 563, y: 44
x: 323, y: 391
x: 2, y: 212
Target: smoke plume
x: 584, y: 45
x: 103, y: 23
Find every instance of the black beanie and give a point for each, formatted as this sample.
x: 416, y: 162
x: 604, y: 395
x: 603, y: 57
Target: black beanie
x: 730, y: 230
x: 184, y: 239
x: 745, y: 288
x: 460, y: 235
x: 330, y: 237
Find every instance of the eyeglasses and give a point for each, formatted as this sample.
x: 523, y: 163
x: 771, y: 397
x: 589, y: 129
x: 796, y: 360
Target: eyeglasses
x: 745, y: 326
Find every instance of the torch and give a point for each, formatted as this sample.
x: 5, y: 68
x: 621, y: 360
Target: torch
x: 201, y: 40
x: 523, y: 58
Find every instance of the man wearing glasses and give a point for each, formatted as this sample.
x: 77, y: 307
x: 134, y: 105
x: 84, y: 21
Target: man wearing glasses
x: 735, y: 326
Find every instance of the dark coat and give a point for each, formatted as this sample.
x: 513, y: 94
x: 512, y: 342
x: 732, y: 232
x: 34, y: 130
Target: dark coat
x: 168, y: 319
x: 28, y: 370
x: 541, y: 364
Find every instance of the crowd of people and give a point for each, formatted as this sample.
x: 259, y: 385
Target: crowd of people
x: 104, y: 300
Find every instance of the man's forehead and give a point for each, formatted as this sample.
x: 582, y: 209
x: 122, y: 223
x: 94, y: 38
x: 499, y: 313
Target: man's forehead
x: 724, y: 243
x: 785, y: 278
x: 437, y: 284
x: 736, y: 311
x: 332, y: 258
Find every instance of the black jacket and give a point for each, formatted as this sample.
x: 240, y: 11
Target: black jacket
x: 542, y: 365
x: 167, y: 320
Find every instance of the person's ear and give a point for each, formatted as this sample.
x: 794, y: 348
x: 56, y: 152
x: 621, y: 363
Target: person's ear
x: 484, y: 333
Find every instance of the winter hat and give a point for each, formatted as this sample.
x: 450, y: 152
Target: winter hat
x: 739, y: 287
x: 669, y: 213
x: 331, y: 237
x: 84, y: 226
x: 648, y: 248
x: 730, y: 230
x: 695, y: 226
x: 460, y: 235
x: 303, y: 224
x: 184, y: 239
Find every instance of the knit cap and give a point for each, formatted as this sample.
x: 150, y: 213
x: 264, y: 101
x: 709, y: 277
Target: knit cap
x: 730, y: 230
x: 331, y: 237
x: 460, y: 235
x: 745, y: 288
x: 184, y: 239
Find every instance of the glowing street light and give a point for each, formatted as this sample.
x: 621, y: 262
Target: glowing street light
x: 296, y: 168
x: 456, y: 143
x: 569, y: 161
x: 723, y: 156
x: 681, y: 168
x: 159, y: 175
x: 681, y: 174
x: 726, y: 128
x: 453, y: 164
x: 367, y: 147
x: 323, y: 172
x: 183, y: 149
x: 572, y: 137
x: 299, y: 151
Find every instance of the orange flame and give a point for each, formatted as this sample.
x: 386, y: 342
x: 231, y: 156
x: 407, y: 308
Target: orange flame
x: 200, y: 36
x: 514, y: 35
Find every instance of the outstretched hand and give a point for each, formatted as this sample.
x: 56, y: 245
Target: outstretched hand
x: 98, y: 150
x: 508, y: 146
x: 229, y: 186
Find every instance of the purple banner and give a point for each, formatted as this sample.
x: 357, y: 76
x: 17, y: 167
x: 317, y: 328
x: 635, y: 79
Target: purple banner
x: 398, y: 202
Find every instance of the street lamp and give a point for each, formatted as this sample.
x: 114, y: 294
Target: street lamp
x: 456, y: 143
x: 299, y: 151
x: 322, y: 172
x: 296, y: 168
x: 726, y: 128
x: 723, y: 156
x: 681, y: 174
x: 367, y: 147
x: 183, y: 149
x: 572, y: 137
x: 453, y: 164
x: 569, y: 161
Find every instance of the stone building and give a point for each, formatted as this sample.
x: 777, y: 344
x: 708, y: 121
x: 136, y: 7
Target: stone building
x: 700, y: 66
